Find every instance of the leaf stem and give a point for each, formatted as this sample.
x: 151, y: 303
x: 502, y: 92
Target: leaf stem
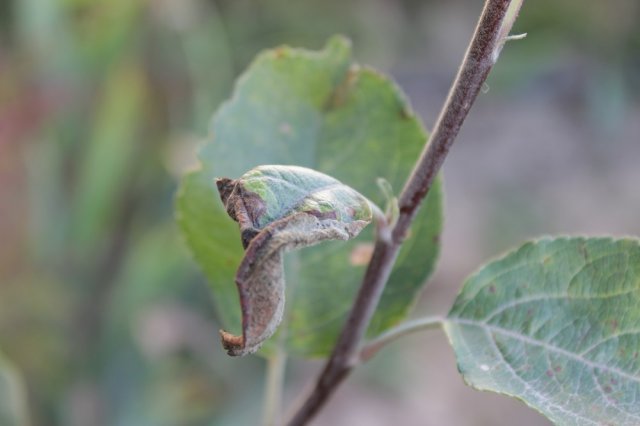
x: 489, y: 37
x: 372, y: 347
x: 273, y: 388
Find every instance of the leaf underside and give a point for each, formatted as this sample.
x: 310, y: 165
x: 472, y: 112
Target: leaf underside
x: 556, y: 324
x: 316, y: 110
x: 281, y: 208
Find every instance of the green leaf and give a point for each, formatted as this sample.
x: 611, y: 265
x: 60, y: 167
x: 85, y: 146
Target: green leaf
x: 555, y: 323
x: 280, y: 208
x: 12, y: 398
x: 321, y: 111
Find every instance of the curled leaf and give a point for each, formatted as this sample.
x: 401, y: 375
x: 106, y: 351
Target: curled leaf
x: 316, y: 109
x: 281, y: 208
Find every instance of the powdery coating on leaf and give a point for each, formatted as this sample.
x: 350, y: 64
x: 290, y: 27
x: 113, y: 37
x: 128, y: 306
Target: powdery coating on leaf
x: 281, y: 208
x: 268, y: 193
x: 556, y: 324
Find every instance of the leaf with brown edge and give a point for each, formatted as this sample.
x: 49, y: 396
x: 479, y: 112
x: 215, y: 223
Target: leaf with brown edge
x: 317, y: 109
x: 281, y: 208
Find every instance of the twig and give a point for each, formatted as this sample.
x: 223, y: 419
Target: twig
x: 492, y: 29
x: 273, y: 387
x: 372, y: 348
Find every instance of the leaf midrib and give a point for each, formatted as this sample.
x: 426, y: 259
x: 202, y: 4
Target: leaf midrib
x: 535, y: 342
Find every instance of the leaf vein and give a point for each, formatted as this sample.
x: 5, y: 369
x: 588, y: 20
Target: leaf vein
x: 547, y: 346
x: 547, y: 297
x: 537, y: 395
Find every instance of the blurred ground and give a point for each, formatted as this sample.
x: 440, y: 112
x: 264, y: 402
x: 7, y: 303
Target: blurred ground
x: 102, y: 104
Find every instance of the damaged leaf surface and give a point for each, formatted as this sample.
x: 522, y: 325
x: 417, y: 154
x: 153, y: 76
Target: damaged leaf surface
x: 281, y: 208
x: 315, y: 109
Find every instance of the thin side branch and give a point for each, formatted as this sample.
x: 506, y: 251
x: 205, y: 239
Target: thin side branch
x: 409, y: 327
x: 273, y: 388
x: 488, y: 39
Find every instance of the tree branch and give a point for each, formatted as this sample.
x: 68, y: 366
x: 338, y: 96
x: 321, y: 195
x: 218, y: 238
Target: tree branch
x: 489, y: 37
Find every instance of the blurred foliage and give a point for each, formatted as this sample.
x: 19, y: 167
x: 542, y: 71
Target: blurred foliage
x: 101, y: 105
x: 13, y: 410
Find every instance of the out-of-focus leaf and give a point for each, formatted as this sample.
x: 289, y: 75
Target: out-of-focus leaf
x: 280, y: 208
x: 104, y: 29
x: 317, y: 110
x: 555, y: 323
x: 153, y: 321
x: 40, y: 24
x: 47, y: 200
x: 207, y: 55
x: 153, y: 272
x: 110, y: 153
x: 13, y: 409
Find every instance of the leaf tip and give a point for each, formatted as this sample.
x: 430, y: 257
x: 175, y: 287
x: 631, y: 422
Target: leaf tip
x: 339, y: 43
x: 225, y: 188
x: 232, y: 344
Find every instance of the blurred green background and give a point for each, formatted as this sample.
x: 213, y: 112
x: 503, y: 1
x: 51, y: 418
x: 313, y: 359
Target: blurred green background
x: 102, y: 105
